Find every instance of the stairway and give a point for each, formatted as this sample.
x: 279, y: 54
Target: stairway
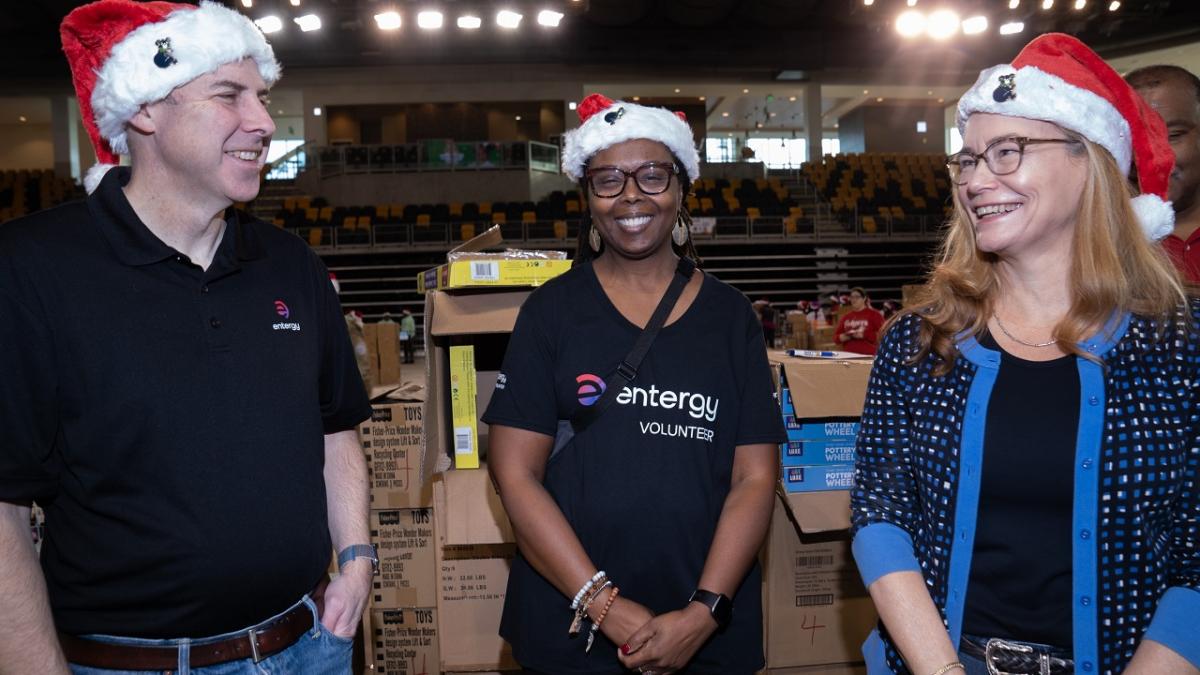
x: 270, y: 198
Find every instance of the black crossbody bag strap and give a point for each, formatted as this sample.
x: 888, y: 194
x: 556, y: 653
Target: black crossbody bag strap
x: 627, y: 370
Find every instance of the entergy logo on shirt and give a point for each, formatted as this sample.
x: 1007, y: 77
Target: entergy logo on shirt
x: 283, y: 311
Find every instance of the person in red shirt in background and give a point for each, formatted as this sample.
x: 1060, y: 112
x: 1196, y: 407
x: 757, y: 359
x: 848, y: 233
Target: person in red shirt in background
x: 858, y: 331
x: 1175, y: 93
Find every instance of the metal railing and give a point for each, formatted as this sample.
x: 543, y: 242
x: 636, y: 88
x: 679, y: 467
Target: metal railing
x: 440, y: 154
x: 731, y: 229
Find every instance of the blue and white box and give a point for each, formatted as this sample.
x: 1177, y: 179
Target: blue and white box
x: 818, y: 478
x: 806, y: 453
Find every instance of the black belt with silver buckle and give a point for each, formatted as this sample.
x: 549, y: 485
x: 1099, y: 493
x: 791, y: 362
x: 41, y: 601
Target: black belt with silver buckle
x: 1008, y: 657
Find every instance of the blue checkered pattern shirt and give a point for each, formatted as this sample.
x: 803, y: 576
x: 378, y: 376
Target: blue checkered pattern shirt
x: 1136, y: 538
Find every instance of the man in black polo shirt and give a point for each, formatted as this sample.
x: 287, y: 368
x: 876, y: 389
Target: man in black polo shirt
x: 177, y: 388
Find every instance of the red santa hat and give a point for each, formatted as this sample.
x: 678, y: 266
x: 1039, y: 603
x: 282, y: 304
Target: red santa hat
x: 1056, y: 78
x: 604, y: 123
x: 124, y: 54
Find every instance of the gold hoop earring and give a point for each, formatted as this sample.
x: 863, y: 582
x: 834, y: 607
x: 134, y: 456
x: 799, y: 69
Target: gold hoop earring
x: 679, y: 233
x: 594, y: 239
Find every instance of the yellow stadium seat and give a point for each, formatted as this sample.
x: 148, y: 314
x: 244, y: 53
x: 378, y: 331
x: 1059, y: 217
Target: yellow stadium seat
x: 303, y: 202
x: 326, y: 213
x: 499, y: 217
x: 456, y: 209
x: 706, y: 204
x: 467, y: 231
x: 310, y: 215
x: 868, y: 224
x: 289, y: 203
x: 795, y: 211
x: 364, y: 222
x: 485, y: 207
x: 381, y: 211
x: 789, y: 225
x: 528, y: 216
x: 277, y: 222
x: 314, y: 236
x: 348, y: 222
x: 423, y: 219
x: 396, y: 211
x: 572, y: 206
x: 753, y: 213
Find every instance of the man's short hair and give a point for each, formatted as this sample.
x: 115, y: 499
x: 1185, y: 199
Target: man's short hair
x: 1153, y: 76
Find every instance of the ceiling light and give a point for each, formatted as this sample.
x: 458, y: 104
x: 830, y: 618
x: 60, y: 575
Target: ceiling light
x: 910, y: 24
x: 388, y: 20
x: 702, y: 98
x: 879, y: 99
x: 317, y: 111
x: 791, y: 98
x: 549, y: 17
x: 572, y: 105
x: 23, y: 118
x: 973, y: 26
x: 429, y: 19
x: 308, y: 22
x: 745, y: 91
x: 269, y: 24
x: 1047, y: 4
x: 758, y: 125
x: 1080, y: 4
x: 469, y: 22
x: 280, y: 112
x: 868, y: 3
x: 941, y: 100
x: 1013, y: 4
x: 247, y: 3
x: 506, y: 18
x: 866, y: 91
x: 295, y: 3
x: 912, y: 3
x: 930, y: 92
x: 772, y: 114
x: 1114, y: 5
x: 942, y: 24
x: 724, y: 114
x: 637, y: 98
x: 518, y: 118
x: 1012, y: 28
x: 676, y: 90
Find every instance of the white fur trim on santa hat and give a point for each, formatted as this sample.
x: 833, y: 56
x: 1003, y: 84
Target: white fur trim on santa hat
x: 91, y: 179
x: 202, y: 40
x: 1038, y: 95
x: 1157, y: 217
x: 638, y: 121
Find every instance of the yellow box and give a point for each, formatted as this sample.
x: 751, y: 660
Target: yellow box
x: 464, y: 418
x: 490, y: 273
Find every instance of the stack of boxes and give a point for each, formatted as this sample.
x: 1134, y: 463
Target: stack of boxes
x: 816, y: 609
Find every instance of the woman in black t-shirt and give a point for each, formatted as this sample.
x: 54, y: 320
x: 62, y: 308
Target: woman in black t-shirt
x: 640, y: 532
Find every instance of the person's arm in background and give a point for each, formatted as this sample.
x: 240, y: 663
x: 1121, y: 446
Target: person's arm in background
x: 884, y: 513
x: 27, y: 637
x: 517, y: 460
x: 348, y: 505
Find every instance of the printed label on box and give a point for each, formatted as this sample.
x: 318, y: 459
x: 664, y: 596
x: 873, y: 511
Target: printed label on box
x: 405, y: 641
x: 809, y: 453
x: 407, y: 568
x: 817, y: 478
x: 391, y: 440
x: 801, y: 429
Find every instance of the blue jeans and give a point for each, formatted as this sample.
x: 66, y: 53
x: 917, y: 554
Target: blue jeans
x: 318, y: 652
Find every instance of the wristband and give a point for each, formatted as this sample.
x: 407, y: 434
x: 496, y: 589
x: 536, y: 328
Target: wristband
x: 359, y: 551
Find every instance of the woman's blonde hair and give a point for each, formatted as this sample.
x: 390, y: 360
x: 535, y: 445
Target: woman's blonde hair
x: 1114, y: 267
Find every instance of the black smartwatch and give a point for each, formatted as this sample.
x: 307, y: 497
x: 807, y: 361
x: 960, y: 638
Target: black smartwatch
x: 720, y: 606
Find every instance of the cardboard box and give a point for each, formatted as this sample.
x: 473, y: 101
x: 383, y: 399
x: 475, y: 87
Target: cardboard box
x: 493, y: 273
x: 818, y: 477
x: 821, y: 389
x: 810, y: 453
x: 817, y: 611
x: 483, y: 320
x: 387, y: 350
x: 407, y: 575
x: 392, y: 440
x: 801, y: 428
x: 474, y: 513
x: 403, y: 641
x: 463, y: 414
x: 472, y: 580
x: 822, y: 337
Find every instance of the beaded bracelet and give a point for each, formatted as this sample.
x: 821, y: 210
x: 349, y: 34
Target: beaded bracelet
x: 600, y: 619
x: 587, y: 586
x: 581, y: 611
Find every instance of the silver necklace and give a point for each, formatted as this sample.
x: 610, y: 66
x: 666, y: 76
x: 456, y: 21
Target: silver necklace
x: 1018, y: 340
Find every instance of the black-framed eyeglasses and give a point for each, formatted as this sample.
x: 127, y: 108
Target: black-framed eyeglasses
x: 1002, y: 157
x: 651, y: 178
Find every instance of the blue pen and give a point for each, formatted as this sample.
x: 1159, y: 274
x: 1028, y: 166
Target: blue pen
x: 811, y: 354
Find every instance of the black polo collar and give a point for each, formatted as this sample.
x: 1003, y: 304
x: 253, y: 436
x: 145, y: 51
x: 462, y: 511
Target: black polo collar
x: 134, y: 243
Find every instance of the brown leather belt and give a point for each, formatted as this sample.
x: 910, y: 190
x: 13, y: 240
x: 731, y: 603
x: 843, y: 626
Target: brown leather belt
x: 259, y: 642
